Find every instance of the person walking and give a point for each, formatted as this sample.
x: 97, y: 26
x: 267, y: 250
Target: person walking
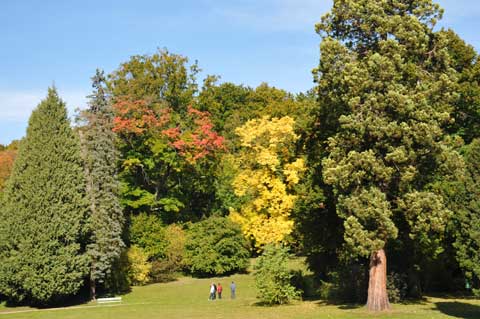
x: 212, y: 292
x: 219, y: 290
x: 233, y: 289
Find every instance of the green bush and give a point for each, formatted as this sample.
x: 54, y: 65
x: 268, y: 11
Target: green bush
x: 397, y: 287
x: 148, y: 233
x: 272, y: 277
x: 215, y: 246
x: 168, y: 268
x: 476, y: 292
x: 327, y: 290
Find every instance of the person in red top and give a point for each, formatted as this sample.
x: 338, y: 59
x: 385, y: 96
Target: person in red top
x: 219, y: 291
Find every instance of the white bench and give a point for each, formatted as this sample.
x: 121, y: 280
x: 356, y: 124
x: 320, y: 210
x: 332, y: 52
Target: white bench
x: 112, y: 299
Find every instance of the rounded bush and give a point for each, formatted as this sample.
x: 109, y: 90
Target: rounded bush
x: 215, y: 246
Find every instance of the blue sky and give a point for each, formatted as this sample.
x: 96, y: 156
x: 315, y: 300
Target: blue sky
x: 243, y: 41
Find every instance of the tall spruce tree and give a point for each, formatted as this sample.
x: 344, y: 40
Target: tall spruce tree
x: 42, y: 259
x: 387, y: 88
x: 100, y: 156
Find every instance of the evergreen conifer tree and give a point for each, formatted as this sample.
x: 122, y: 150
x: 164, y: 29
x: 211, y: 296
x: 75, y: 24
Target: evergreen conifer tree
x: 386, y: 88
x: 42, y: 259
x: 100, y: 157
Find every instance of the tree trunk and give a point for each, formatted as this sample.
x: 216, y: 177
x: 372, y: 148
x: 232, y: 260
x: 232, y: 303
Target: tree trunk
x: 93, y: 293
x: 377, y: 284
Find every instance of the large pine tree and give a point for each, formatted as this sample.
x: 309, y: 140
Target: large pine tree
x: 386, y: 88
x: 100, y: 156
x: 42, y: 259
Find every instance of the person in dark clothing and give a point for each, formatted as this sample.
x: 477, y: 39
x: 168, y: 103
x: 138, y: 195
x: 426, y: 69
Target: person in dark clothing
x: 233, y: 290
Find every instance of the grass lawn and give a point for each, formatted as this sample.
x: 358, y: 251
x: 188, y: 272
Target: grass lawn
x: 188, y: 298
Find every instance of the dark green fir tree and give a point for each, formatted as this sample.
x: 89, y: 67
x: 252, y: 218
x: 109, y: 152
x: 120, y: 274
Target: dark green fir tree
x: 42, y: 258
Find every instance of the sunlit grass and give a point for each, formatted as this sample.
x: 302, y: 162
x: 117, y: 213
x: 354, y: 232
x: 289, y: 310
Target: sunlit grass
x: 188, y: 298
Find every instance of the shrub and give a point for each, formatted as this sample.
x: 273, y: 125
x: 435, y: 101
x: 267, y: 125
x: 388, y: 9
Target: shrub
x: 397, y: 287
x: 349, y: 283
x: 476, y: 292
x: 166, y: 269
x: 272, y: 277
x: 326, y: 291
x: 138, y: 266
x: 215, y: 246
x: 148, y: 233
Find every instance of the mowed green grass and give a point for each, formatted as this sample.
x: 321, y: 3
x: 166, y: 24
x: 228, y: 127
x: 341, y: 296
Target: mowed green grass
x: 188, y: 298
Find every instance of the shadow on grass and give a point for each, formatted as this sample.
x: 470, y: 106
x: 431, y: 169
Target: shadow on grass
x: 349, y: 306
x: 339, y: 304
x: 82, y: 298
x: 416, y: 301
x: 61, y: 303
x: 264, y: 304
x: 457, y: 295
x: 459, y: 309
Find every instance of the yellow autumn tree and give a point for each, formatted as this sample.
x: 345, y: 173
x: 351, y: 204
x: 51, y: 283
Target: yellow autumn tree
x: 268, y: 172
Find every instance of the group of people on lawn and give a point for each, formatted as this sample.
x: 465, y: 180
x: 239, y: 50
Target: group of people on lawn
x: 218, y: 289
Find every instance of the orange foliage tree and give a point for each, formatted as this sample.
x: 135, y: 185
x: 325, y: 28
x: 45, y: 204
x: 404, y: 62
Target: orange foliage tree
x: 7, y: 158
x: 164, y: 153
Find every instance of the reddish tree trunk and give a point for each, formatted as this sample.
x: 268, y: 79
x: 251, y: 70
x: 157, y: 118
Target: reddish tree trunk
x: 377, y: 284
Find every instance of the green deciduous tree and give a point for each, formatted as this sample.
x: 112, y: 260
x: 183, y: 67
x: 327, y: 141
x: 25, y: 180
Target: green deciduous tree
x: 215, y: 246
x: 148, y: 233
x: 172, y: 263
x: 100, y: 157
x: 466, y: 110
x: 386, y: 82
x: 463, y: 196
x: 167, y: 146
x: 42, y: 252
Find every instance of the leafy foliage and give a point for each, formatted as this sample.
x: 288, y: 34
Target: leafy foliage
x: 214, y: 247
x: 466, y: 111
x: 138, y: 266
x: 272, y: 277
x: 463, y: 196
x: 397, y: 287
x: 173, y: 262
x: 147, y: 232
x: 168, y: 147
x: 267, y: 175
x: 7, y: 157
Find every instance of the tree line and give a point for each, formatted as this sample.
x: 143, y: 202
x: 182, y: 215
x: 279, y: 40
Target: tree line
x: 159, y: 175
